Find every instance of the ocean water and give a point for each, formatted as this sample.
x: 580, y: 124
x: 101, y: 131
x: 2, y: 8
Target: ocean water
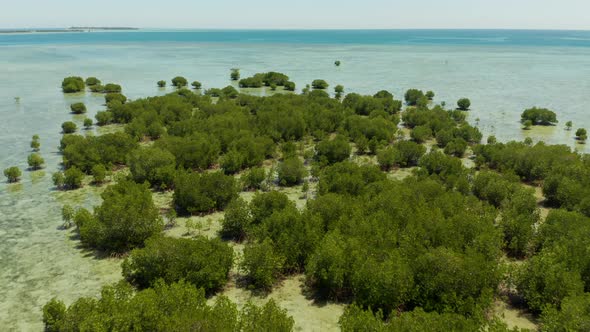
x: 502, y: 72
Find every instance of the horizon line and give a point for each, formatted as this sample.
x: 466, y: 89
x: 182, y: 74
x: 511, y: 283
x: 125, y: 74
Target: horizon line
x: 291, y: 29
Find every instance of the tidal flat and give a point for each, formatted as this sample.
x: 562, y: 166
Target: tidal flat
x: 40, y: 261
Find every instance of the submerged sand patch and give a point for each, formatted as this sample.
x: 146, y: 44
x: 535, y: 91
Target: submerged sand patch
x: 290, y: 295
x: 515, y: 317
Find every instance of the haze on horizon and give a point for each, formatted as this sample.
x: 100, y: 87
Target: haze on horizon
x: 301, y: 14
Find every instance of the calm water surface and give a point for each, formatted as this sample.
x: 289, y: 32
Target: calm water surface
x: 502, y: 72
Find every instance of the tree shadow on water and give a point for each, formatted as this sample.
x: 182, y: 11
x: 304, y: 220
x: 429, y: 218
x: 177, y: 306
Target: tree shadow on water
x: 88, y: 252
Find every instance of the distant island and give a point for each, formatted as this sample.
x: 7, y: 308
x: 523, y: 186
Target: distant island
x: 102, y: 28
x: 71, y: 29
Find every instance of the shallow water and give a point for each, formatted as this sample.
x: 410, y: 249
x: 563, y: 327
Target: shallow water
x: 39, y: 261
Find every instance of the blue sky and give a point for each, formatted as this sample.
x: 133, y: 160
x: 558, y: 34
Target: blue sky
x: 267, y: 14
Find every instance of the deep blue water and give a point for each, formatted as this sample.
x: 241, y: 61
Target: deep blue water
x: 361, y: 37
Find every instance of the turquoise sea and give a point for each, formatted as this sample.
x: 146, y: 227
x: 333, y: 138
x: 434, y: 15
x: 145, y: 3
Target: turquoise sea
x: 501, y: 71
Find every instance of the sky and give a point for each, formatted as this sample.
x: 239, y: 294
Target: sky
x: 299, y: 14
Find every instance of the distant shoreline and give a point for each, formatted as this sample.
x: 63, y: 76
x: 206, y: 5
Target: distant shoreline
x: 103, y: 28
x: 71, y: 29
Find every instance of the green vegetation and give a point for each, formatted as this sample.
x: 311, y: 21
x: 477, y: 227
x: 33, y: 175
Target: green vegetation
x: 330, y: 151
x: 68, y: 127
x: 319, y: 84
x: 339, y: 90
x: 103, y: 118
x: 553, y: 280
x: 527, y: 124
x: 254, y: 178
x: 87, y: 123
x: 251, y: 82
x: 229, y: 92
x: 573, y: 316
x: 98, y: 88
x: 337, y: 63
x: 178, y: 306
x: 179, y: 82
x: 421, y: 134
x: 196, y: 85
x: 401, y: 154
x: 199, y: 261
x: 154, y: 165
x: 86, y: 152
x: 428, y: 248
x: 59, y: 180
x: 126, y: 218
x: 73, y: 178
x: 73, y: 84
x: 235, y: 74
x: 12, y: 174
x: 463, y: 104
x: 198, y: 193
x: 35, y: 144
x: 78, y: 108
x: 517, y: 206
x: 266, y: 79
x: 539, y: 116
x: 456, y: 147
x: 92, y: 81
x: 559, y: 270
x: 373, y: 105
x: 67, y: 215
x: 35, y: 161
x: 112, y: 88
x: 114, y: 97
x: 568, y: 125
x: 356, y: 319
x: 383, y: 278
x: 581, y: 135
x: 412, y: 96
x: 261, y: 264
x: 348, y: 178
x: 161, y: 84
x: 289, y: 86
x: 99, y: 173
x: 194, y: 152
x: 450, y: 129
x: 291, y: 172
x: 556, y: 167
x: 237, y: 219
